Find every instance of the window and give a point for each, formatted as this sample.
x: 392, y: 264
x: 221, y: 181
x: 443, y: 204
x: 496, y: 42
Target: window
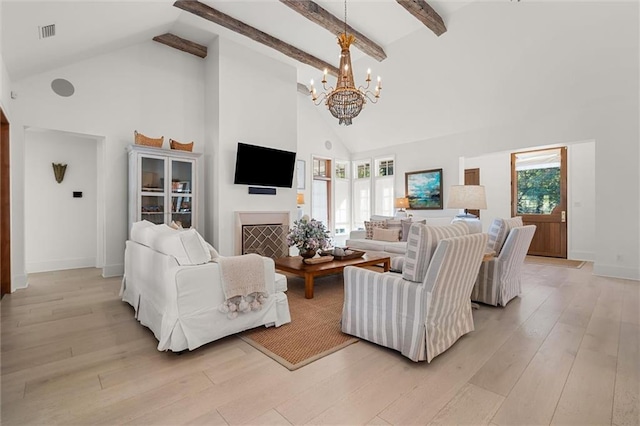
x: 383, y: 187
x: 342, y: 197
x: 363, y: 170
x: 361, y: 192
x: 385, y: 167
x: 538, y: 180
x: 321, y: 191
x: 342, y: 170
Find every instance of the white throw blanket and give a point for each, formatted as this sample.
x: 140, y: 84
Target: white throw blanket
x: 243, y: 283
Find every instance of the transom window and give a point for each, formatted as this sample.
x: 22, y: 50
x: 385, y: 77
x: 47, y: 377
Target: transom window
x: 385, y: 167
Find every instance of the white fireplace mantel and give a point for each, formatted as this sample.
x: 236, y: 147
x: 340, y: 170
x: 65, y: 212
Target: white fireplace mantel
x: 257, y: 218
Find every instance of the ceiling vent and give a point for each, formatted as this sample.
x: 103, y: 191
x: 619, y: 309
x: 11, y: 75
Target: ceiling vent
x: 47, y: 31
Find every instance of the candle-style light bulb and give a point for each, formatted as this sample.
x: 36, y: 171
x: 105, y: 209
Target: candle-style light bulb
x: 379, y: 83
x: 368, y: 74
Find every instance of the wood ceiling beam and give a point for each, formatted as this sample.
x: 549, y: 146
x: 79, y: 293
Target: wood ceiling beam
x: 180, y: 43
x: 425, y: 14
x: 207, y: 12
x: 315, y: 13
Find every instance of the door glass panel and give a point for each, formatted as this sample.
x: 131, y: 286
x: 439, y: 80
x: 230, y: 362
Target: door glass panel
x: 153, y: 208
x: 181, y: 172
x: 152, y: 174
x: 181, y: 210
x: 538, y: 178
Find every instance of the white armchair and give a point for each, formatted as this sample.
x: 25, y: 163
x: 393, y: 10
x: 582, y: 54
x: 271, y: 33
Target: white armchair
x: 499, y: 278
x: 424, y: 311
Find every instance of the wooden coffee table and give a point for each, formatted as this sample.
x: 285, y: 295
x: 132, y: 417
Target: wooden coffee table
x: 294, y: 265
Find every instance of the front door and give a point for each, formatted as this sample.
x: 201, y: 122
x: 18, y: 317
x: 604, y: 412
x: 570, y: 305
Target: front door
x: 539, y: 195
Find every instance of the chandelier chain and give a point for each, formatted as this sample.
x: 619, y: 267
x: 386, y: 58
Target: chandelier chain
x: 345, y: 17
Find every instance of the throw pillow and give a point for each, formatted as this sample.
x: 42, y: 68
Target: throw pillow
x: 406, y: 224
x: 186, y: 246
x: 138, y: 233
x: 499, y: 230
x: 373, y: 224
x: 395, y: 224
x: 176, y: 225
x: 422, y: 242
x: 391, y: 235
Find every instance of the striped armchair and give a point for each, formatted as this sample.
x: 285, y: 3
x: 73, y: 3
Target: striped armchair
x: 499, y: 278
x: 423, y: 312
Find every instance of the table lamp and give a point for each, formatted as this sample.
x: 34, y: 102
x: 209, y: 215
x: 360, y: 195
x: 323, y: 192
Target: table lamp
x: 467, y: 197
x: 401, y: 204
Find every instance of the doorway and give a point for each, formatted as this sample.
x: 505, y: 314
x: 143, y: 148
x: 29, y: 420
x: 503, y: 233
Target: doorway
x: 539, y: 196
x: 5, y: 208
x: 472, y: 177
x: 71, y: 234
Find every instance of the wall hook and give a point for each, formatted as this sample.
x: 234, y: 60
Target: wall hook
x: 58, y: 171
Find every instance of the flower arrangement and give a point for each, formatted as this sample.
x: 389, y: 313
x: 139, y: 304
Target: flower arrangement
x: 308, y: 234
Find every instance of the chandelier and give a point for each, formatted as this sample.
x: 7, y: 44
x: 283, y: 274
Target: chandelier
x: 345, y: 101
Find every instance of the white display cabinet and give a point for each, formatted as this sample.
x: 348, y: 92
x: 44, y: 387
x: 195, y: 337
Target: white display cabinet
x: 163, y: 186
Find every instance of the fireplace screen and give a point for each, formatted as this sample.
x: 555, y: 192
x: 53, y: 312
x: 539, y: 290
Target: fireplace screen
x: 265, y: 240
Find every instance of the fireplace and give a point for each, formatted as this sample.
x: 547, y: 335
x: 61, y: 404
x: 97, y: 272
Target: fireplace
x: 263, y: 233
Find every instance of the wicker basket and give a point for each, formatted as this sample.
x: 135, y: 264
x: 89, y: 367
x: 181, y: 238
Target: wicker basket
x: 181, y: 146
x: 141, y: 139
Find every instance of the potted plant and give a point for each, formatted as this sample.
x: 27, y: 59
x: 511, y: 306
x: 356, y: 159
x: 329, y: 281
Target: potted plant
x: 308, y: 235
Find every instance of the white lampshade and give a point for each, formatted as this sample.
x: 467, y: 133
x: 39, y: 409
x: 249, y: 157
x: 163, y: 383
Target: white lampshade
x: 468, y: 197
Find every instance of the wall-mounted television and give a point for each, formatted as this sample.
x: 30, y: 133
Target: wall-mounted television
x: 262, y: 166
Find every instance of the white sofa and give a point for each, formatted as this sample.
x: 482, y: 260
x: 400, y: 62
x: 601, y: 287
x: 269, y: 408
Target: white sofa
x: 179, y: 301
x: 358, y: 241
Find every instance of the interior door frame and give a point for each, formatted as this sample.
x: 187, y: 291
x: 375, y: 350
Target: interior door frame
x: 5, y: 207
x: 557, y: 214
x: 472, y: 177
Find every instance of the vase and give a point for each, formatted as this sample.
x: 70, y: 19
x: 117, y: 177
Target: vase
x: 307, y: 254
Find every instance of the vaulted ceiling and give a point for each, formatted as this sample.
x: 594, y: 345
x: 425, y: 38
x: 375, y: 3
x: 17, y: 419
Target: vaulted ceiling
x: 497, y: 61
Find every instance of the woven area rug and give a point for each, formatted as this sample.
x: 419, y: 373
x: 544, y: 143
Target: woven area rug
x: 314, y: 330
x: 554, y: 261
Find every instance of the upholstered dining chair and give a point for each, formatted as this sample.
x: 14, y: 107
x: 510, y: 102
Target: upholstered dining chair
x: 427, y: 308
x: 499, y: 279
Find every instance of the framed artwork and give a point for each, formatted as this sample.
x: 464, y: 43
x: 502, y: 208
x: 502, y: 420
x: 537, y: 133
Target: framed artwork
x: 300, y: 173
x: 424, y: 189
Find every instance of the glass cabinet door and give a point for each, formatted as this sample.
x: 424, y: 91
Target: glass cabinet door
x: 152, y: 191
x: 181, y: 192
x: 152, y: 174
x: 152, y: 208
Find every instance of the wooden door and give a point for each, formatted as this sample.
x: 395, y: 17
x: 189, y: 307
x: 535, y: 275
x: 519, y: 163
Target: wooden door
x: 539, y: 195
x: 5, y: 208
x: 472, y: 177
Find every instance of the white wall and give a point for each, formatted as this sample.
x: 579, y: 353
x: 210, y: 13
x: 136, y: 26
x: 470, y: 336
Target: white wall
x: 257, y: 104
x: 581, y: 202
x: 147, y: 87
x: 555, y: 79
x: 60, y: 231
x: 313, y: 133
x: 495, y: 174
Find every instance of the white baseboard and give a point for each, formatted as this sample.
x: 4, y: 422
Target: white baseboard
x: 113, y: 270
x: 19, y: 282
x: 61, y: 265
x: 588, y: 256
x: 616, y: 271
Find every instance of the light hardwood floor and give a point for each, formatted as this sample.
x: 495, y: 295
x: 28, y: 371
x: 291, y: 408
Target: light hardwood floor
x: 565, y: 352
